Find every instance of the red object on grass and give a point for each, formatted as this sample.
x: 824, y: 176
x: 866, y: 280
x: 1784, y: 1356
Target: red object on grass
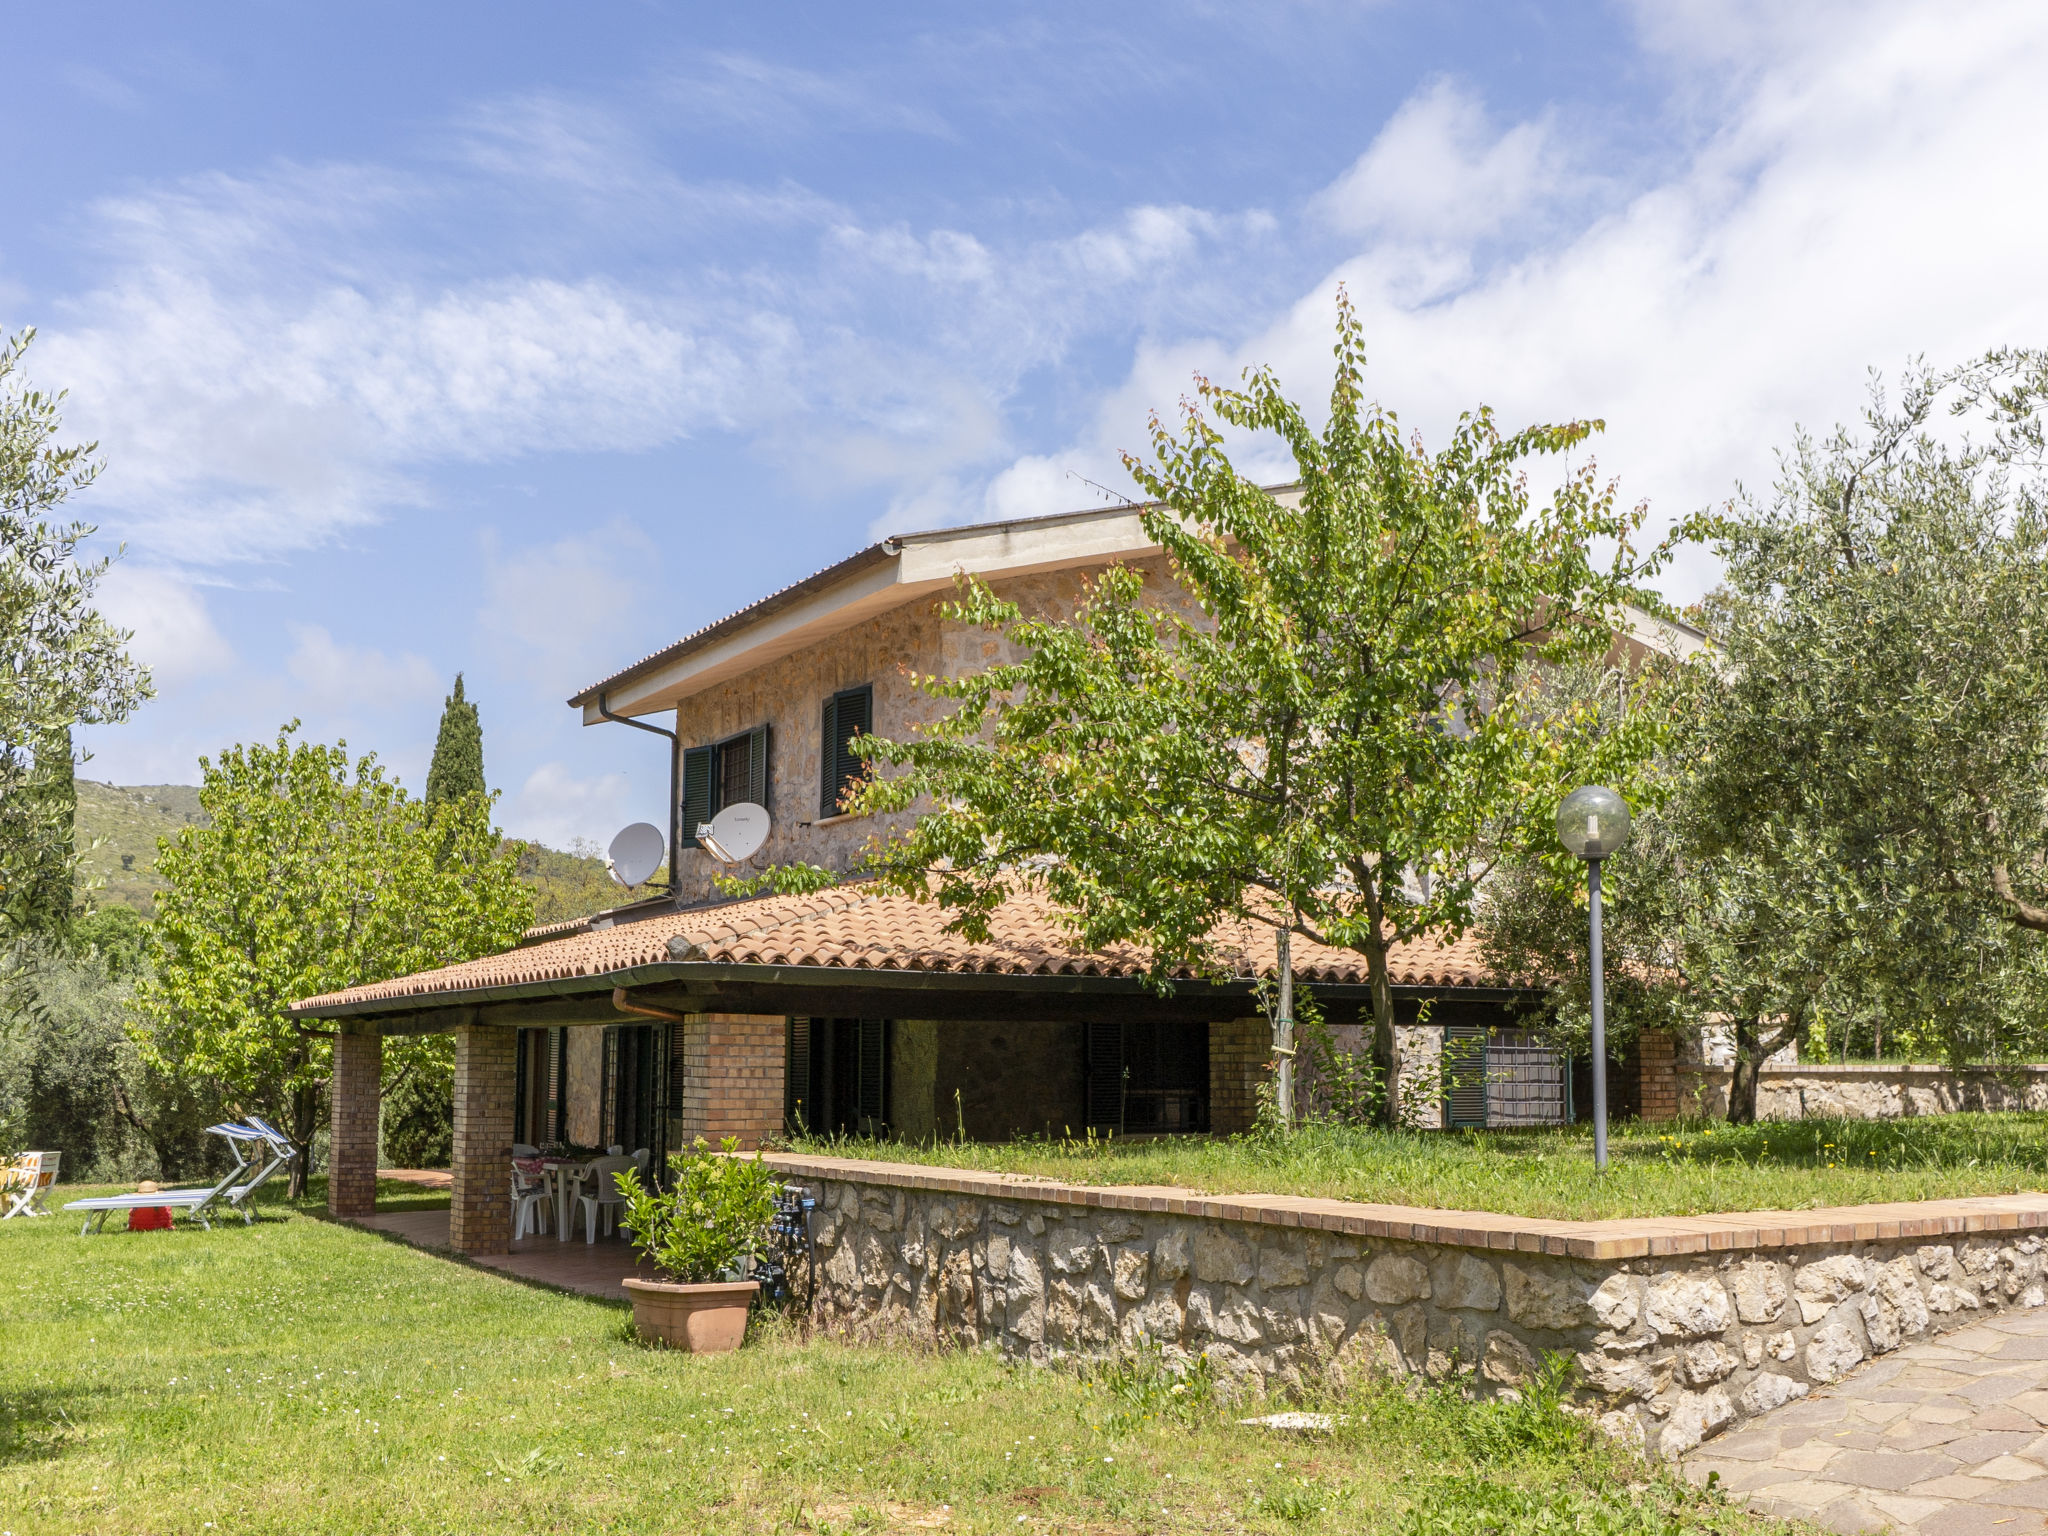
x: 150, y: 1218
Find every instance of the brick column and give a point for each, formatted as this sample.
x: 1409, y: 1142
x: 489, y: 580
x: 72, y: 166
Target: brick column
x: 480, y: 1211
x: 353, y: 1098
x: 732, y: 1077
x: 1657, y: 1075
x: 1240, y: 1059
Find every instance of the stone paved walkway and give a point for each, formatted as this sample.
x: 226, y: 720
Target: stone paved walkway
x: 1948, y: 1437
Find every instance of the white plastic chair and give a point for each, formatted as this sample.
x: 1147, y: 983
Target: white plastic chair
x: 26, y: 1184
x: 521, y: 1149
x: 530, y: 1201
x: 640, y: 1161
x: 602, y: 1194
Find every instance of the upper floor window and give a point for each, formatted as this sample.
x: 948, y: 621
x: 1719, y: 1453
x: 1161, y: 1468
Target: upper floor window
x: 848, y: 713
x: 730, y: 772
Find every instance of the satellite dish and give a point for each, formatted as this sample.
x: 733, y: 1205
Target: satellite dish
x: 635, y: 853
x: 735, y: 833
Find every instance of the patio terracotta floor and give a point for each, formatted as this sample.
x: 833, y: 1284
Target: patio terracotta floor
x: 595, y: 1269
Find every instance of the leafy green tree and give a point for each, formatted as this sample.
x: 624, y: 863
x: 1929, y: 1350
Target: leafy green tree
x: 458, y: 765
x: 311, y: 875
x: 64, y: 664
x: 1855, y: 828
x: 1337, y: 745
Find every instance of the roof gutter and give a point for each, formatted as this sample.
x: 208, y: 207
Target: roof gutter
x: 675, y: 808
x: 716, y: 972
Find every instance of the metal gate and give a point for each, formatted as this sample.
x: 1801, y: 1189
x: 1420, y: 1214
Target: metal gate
x: 1500, y: 1078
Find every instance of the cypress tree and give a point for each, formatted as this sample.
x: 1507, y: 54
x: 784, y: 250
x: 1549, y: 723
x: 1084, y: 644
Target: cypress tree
x: 458, y: 766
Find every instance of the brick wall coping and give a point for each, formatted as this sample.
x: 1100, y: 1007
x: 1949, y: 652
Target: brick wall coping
x: 1628, y: 1238
x: 1874, y: 1069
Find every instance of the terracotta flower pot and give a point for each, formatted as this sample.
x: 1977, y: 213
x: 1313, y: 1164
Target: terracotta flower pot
x: 704, y: 1319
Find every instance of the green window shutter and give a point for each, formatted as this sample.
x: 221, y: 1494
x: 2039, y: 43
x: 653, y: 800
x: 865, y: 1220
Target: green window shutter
x: 848, y: 714
x: 874, y: 1058
x: 757, y: 766
x: 699, y: 775
x: 797, y: 1113
x: 828, y: 735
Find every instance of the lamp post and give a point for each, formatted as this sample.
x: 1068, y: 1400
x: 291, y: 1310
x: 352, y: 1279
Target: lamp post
x: 1592, y: 823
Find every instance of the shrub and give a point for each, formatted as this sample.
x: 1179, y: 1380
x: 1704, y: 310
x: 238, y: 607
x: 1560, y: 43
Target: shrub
x: 713, y: 1217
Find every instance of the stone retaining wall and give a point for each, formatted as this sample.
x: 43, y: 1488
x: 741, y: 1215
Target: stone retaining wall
x: 1679, y: 1328
x: 1877, y: 1091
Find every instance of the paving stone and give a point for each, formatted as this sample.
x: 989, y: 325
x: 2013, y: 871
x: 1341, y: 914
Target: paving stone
x: 1879, y: 1413
x: 1974, y: 1520
x: 1906, y: 1435
x: 1903, y: 1507
x: 1990, y: 1389
x: 1852, y: 1516
x: 2032, y: 1495
x: 1943, y: 1410
x: 1982, y: 1445
x: 1893, y: 1471
x: 2010, y: 1469
x: 1810, y: 1457
x: 1956, y: 1485
x: 1802, y: 1498
x: 1747, y: 1445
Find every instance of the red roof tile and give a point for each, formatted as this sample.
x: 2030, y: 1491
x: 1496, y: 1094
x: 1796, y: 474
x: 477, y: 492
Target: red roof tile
x: 861, y: 927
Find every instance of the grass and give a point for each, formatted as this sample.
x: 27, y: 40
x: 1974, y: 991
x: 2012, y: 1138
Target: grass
x: 303, y: 1377
x: 1655, y: 1170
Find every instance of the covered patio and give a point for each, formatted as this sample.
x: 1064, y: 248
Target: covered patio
x: 852, y: 1010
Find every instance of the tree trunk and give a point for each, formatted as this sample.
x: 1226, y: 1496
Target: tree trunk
x: 305, y: 1120
x: 1752, y: 1049
x: 1283, y: 1032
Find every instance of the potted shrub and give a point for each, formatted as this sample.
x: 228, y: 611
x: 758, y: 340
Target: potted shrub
x: 704, y: 1233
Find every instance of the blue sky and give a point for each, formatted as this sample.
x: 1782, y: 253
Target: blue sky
x: 520, y: 340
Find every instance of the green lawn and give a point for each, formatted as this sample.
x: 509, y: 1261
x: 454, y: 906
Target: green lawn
x: 302, y: 1377
x: 1654, y: 1170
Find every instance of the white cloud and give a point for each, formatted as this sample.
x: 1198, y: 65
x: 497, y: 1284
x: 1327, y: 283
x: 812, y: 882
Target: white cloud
x: 175, y: 635
x: 333, y: 678
x: 1859, y: 203
x: 1438, y: 172
x: 555, y: 807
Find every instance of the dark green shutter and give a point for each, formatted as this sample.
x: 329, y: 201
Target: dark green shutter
x: 699, y: 764
x: 756, y: 742
x: 847, y: 715
x: 1103, y: 1065
x: 797, y: 1112
x: 828, y: 757
x: 874, y: 1058
x: 1464, y: 1072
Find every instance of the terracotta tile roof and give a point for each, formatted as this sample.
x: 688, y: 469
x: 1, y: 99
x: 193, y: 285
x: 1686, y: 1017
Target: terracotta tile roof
x: 861, y: 927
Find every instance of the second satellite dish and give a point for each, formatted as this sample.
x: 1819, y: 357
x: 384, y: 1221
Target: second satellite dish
x: 735, y: 833
x: 635, y: 853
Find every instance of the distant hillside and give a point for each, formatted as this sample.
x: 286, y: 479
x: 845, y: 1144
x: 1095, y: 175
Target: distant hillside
x: 575, y: 883
x: 131, y: 817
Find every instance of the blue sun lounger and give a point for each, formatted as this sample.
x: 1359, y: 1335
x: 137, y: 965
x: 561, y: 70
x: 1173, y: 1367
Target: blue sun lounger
x: 270, y: 1145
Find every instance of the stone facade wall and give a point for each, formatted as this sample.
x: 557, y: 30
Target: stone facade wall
x: 1669, y: 1349
x: 789, y: 696
x: 1879, y: 1091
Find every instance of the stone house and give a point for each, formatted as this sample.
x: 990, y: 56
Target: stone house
x: 852, y: 1010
